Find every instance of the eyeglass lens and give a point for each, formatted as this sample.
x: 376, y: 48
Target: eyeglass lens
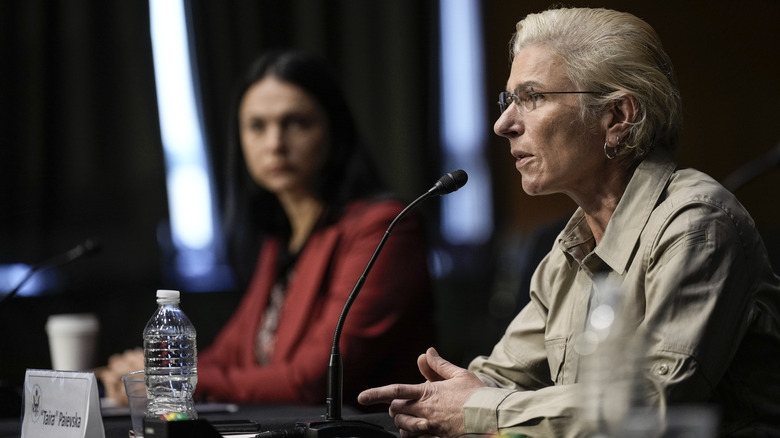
x: 505, y: 98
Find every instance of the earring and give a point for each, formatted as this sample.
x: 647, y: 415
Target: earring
x: 606, y: 145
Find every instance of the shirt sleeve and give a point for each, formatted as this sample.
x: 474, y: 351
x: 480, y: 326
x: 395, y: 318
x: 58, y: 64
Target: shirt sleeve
x: 690, y: 289
x: 699, y: 290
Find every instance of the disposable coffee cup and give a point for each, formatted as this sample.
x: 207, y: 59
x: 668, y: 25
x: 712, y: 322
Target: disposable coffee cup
x: 72, y: 341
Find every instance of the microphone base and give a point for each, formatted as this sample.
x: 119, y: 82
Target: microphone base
x: 344, y: 429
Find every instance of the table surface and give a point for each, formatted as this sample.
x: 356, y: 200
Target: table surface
x: 116, y: 421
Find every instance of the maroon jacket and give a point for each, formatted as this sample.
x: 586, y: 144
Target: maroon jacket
x: 388, y: 326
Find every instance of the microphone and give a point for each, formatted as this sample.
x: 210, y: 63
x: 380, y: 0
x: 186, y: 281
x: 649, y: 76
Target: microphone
x: 333, y: 425
x: 449, y: 183
x: 753, y: 169
x: 84, y: 249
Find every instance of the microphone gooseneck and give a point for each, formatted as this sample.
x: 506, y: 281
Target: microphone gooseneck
x: 446, y: 184
x: 84, y: 249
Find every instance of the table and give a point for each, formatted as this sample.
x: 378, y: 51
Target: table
x: 116, y: 422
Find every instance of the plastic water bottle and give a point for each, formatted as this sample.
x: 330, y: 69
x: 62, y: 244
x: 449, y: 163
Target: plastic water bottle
x: 612, y: 350
x: 170, y: 361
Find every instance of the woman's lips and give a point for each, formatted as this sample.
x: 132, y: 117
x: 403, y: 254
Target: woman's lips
x: 278, y: 168
x: 521, y: 157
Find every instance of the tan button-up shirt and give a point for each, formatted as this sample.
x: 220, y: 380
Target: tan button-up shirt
x: 694, y: 275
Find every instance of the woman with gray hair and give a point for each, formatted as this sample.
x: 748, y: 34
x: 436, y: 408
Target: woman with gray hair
x: 592, y: 110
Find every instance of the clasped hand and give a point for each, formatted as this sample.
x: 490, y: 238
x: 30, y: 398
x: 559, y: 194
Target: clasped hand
x: 431, y: 408
x: 119, y: 365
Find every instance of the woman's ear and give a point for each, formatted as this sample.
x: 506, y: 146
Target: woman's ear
x: 621, y: 116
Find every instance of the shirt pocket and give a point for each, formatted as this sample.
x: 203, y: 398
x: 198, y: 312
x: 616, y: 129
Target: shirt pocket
x: 556, y: 357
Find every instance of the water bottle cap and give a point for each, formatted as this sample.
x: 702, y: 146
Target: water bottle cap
x: 168, y: 294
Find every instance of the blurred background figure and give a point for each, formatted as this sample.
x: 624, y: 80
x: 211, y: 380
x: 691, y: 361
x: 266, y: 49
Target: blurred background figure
x: 305, y: 212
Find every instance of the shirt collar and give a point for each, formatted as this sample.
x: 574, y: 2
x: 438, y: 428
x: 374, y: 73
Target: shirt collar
x: 629, y: 219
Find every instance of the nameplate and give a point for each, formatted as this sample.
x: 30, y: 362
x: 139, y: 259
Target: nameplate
x: 62, y: 404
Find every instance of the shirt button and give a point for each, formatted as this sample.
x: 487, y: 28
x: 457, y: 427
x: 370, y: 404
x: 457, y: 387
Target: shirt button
x: 663, y: 369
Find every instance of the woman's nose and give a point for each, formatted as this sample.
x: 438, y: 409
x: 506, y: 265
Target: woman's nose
x: 274, y: 138
x: 508, y: 123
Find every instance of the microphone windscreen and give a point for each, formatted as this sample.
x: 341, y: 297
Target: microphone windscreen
x: 87, y: 248
x: 451, y: 182
x: 91, y: 246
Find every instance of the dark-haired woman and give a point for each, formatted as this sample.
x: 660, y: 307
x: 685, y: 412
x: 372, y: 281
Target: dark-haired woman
x: 306, y: 213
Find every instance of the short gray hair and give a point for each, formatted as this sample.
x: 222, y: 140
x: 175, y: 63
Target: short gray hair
x: 613, y: 53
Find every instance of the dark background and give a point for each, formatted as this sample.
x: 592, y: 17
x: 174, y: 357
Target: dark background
x: 81, y: 156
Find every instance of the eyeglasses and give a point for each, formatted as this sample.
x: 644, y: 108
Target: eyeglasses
x: 528, y: 98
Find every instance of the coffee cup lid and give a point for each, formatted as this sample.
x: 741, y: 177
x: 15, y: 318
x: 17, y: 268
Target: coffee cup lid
x: 72, y: 322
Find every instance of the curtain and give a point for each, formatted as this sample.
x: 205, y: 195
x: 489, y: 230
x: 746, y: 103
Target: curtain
x: 81, y: 155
